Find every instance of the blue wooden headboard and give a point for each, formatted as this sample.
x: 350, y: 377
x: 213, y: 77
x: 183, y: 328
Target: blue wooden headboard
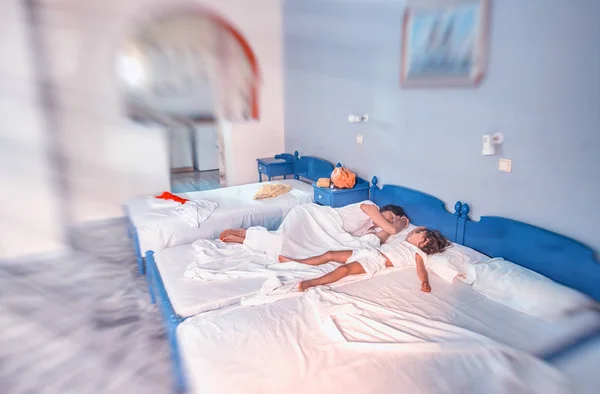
x: 422, y: 209
x: 555, y: 256
x: 312, y: 168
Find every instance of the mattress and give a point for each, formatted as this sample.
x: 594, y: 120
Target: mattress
x: 450, y: 302
x: 459, y: 304
x: 288, y: 332
x: 236, y: 209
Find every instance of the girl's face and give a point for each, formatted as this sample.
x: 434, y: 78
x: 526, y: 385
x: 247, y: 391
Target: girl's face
x: 417, y: 237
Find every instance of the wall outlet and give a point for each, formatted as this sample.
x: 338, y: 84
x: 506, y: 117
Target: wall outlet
x: 359, y: 139
x: 505, y: 165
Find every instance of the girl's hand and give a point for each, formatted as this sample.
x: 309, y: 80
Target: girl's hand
x: 425, y: 287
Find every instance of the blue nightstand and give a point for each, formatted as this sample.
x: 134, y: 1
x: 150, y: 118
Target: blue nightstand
x: 275, y: 166
x: 336, y: 198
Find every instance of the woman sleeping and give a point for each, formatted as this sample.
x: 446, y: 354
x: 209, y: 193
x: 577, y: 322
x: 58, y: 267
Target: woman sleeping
x: 312, y: 228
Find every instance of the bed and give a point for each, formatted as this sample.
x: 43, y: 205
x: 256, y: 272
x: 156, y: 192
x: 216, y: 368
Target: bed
x: 151, y: 228
x: 291, y: 351
x: 210, y: 350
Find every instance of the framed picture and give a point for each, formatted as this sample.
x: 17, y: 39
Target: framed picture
x: 444, y: 43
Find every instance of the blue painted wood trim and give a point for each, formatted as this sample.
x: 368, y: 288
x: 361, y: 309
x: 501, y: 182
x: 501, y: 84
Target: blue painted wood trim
x: 285, y: 156
x: 422, y: 209
x: 560, y: 258
x: 133, y: 235
x: 373, y: 189
x: 462, y: 211
x: 311, y: 168
x: 296, y: 154
x: 170, y: 318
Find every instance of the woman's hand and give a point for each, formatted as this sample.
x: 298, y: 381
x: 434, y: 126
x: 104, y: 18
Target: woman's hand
x: 400, y: 223
x: 373, y: 212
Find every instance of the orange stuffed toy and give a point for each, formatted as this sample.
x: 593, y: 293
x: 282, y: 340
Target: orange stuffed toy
x: 343, y: 178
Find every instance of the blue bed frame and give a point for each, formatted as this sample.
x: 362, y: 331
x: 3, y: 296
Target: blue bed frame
x: 422, y: 209
x: 305, y: 167
x: 555, y: 256
x: 158, y: 295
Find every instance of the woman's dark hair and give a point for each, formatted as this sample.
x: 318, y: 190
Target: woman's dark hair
x: 396, y: 210
x: 435, y: 242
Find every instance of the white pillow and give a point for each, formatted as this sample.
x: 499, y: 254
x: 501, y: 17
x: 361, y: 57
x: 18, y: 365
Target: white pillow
x: 401, y: 236
x: 526, y: 291
x: 454, y: 263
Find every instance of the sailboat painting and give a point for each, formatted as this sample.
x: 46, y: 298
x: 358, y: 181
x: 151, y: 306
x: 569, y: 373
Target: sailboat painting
x: 445, y: 45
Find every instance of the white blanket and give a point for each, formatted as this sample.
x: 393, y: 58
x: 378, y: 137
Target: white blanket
x: 307, y: 231
x: 216, y: 260
x: 326, y: 342
x: 190, y: 212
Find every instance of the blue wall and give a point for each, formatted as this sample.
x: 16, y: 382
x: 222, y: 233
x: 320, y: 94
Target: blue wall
x: 542, y: 90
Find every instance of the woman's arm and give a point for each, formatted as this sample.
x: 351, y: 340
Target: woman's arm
x: 383, y: 236
x: 422, y: 274
x: 373, y: 212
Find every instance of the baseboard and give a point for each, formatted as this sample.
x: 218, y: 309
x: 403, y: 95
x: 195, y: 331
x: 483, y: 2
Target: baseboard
x: 182, y: 169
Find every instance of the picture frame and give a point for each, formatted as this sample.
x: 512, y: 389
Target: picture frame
x: 445, y: 43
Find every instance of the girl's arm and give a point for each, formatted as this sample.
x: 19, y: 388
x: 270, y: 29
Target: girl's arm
x: 373, y: 212
x: 353, y: 268
x: 422, y: 274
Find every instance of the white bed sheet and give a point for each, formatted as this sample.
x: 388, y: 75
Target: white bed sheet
x: 455, y: 303
x: 236, y: 209
x: 459, y: 304
x: 397, y: 290
x: 191, y: 297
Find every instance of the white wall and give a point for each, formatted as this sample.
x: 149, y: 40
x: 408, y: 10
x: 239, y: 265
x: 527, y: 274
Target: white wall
x: 112, y: 159
x: 29, y: 212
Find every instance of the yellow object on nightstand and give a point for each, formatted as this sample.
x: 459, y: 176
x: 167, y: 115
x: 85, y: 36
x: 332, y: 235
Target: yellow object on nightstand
x: 323, y: 182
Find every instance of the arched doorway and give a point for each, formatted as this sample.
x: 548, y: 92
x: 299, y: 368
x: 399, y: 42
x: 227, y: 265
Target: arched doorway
x: 188, y: 68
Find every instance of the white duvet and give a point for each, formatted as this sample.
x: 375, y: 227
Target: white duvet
x: 327, y: 342
x: 307, y: 231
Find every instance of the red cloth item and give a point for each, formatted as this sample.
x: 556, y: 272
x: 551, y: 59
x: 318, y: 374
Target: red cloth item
x: 171, y: 196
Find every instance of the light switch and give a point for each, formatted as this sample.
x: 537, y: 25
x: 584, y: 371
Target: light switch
x: 359, y: 139
x: 505, y: 165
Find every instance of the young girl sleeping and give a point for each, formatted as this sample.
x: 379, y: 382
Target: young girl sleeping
x: 413, y: 251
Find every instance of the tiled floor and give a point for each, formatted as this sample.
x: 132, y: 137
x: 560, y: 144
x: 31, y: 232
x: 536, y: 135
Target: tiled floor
x: 81, y: 323
x: 183, y: 182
